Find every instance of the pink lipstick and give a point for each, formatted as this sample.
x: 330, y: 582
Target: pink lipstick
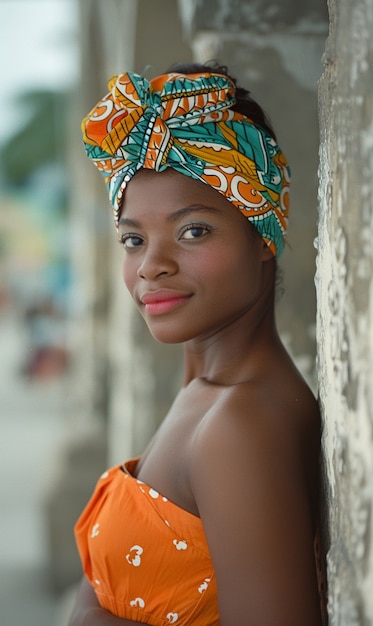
x: 161, y: 302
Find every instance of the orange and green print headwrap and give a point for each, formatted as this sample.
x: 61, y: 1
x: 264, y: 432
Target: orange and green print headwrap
x: 185, y: 121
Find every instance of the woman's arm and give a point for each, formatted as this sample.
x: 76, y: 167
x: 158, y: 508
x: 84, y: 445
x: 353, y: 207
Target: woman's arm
x: 88, y: 612
x: 250, y: 479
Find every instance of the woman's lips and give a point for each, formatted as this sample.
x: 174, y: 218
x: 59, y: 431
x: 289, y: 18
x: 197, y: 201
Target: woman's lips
x: 160, y: 302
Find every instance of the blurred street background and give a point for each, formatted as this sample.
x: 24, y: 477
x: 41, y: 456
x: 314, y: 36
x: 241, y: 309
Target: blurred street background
x: 38, y: 68
x: 32, y: 424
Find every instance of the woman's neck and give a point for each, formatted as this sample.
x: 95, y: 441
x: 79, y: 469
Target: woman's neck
x: 235, y: 352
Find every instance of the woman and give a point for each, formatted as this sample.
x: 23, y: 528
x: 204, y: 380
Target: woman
x: 217, y: 522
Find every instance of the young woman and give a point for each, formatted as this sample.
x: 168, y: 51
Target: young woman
x: 217, y: 522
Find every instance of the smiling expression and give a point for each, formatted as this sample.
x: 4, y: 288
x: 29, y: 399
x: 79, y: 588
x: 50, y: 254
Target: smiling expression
x: 191, y: 263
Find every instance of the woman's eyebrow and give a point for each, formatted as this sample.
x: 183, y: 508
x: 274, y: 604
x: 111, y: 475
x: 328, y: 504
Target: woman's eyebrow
x: 126, y: 221
x: 175, y: 216
x: 193, y: 208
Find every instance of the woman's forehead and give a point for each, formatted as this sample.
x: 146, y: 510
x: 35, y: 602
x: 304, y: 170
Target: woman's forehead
x: 170, y: 187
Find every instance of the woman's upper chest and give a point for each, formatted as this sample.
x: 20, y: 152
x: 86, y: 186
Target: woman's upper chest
x: 166, y: 462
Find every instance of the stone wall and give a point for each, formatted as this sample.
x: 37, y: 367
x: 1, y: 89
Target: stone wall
x: 345, y: 305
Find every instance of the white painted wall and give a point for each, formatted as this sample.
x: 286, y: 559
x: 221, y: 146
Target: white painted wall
x: 345, y: 305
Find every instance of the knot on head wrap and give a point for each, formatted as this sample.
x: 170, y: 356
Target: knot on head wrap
x: 185, y: 121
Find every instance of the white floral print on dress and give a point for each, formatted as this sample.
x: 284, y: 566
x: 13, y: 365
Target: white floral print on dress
x: 138, y: 602
x: 95, y: 530
x: 204, y: 585
x: 134, y: 555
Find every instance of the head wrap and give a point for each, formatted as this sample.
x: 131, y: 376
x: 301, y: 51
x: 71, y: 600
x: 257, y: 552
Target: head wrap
x: 185, y: 121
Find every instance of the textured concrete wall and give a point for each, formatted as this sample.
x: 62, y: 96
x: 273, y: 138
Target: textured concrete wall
x: 345, y: 305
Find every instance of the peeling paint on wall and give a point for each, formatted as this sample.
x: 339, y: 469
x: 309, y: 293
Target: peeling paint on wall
x: 345, y: 306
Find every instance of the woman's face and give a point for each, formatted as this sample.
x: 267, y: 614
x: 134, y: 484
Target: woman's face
x: 192, y: 263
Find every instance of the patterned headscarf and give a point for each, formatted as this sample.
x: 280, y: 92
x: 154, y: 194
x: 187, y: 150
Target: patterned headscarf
x: 185, y: 121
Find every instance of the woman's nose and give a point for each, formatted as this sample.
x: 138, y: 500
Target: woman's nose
x: 158, y: 259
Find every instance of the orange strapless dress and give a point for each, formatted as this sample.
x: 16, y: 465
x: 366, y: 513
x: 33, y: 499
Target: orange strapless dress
x: 146, y: 558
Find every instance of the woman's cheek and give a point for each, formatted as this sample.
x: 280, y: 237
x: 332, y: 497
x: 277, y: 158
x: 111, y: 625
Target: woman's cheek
x: 129, y: 274
x: 215, y: 264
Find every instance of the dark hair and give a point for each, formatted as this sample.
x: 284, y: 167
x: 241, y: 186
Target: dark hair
x: 244, y: 102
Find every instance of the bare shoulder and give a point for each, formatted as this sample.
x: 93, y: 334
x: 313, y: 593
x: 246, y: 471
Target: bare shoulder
x: 279, y: 416
x: 253, y: 473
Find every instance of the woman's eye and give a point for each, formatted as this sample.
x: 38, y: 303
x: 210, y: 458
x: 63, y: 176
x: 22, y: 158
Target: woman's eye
x: 130, y: 241
x: 194, y: 231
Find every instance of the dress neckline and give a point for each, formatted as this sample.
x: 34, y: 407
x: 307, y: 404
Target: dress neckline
x: 129, y: 466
